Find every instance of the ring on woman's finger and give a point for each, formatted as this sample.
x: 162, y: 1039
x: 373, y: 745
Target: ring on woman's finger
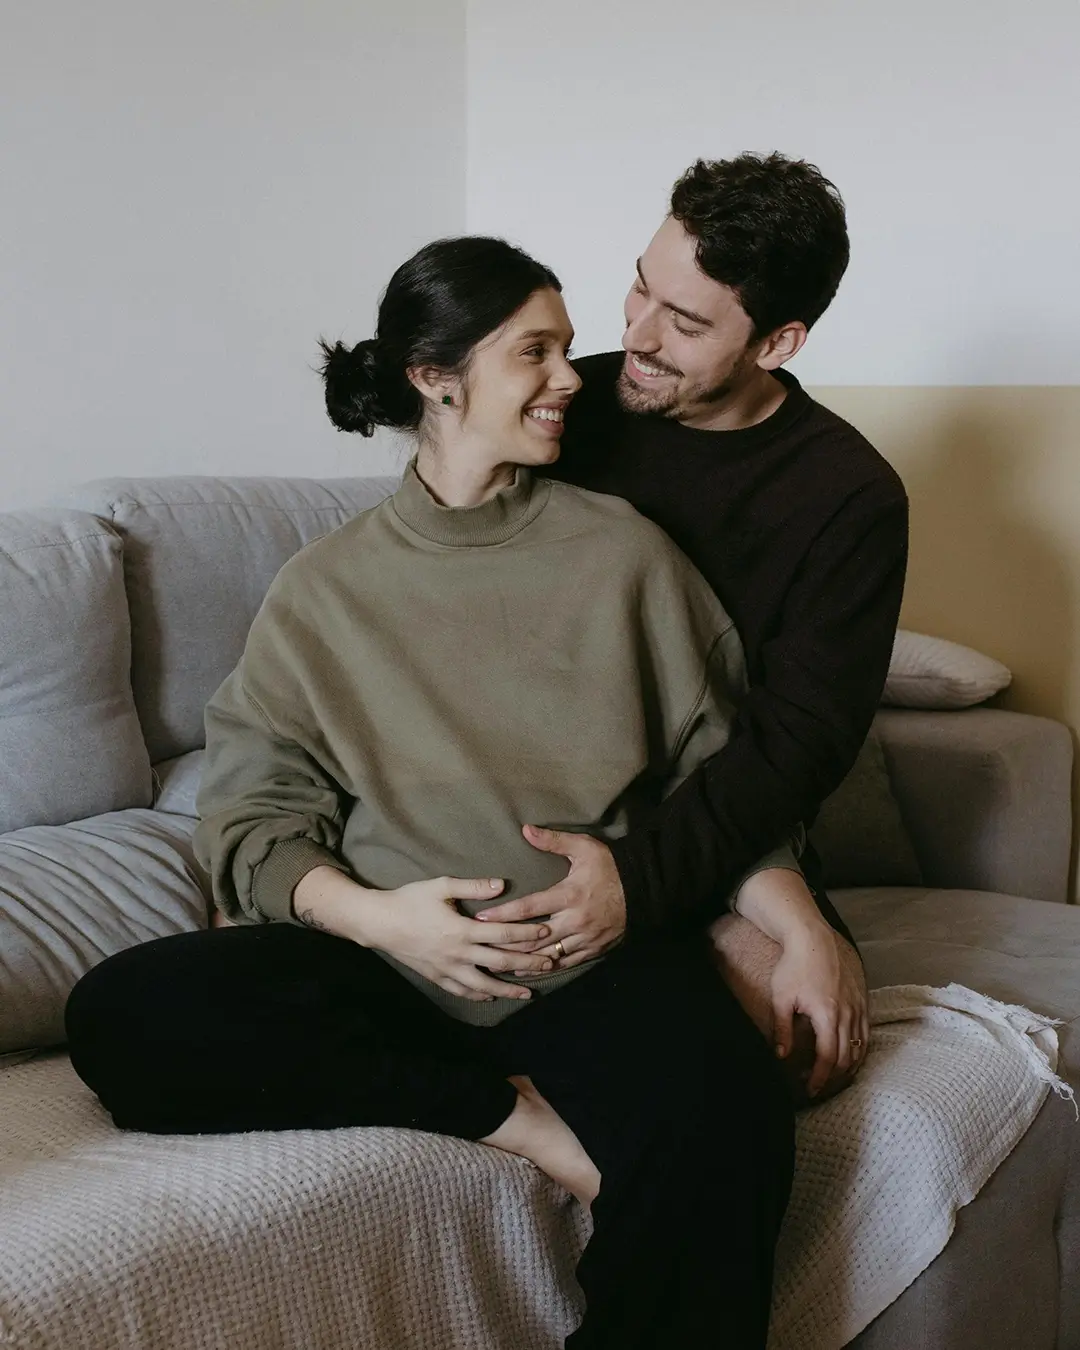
x: 856, y: 1044
x: 560, y: 950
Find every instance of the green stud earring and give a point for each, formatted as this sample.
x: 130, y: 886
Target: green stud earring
x: 448, y: 401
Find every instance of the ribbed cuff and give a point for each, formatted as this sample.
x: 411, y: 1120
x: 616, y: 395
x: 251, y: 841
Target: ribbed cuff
x: 649, y: 909
x: 784, y: 857
x: 276, y: 877
x: 635, y: 884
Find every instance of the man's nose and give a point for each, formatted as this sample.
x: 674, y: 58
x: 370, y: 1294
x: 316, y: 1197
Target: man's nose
x: 642, y: 331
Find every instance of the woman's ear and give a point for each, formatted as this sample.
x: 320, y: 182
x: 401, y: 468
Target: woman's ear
x: 432, y: 384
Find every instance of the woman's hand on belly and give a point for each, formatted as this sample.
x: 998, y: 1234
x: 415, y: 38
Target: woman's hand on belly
x: 420, y: 925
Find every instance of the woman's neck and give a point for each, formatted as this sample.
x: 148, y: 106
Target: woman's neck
x: 462, y: 478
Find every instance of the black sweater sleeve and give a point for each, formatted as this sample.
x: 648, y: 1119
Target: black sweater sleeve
x: 797, y: 732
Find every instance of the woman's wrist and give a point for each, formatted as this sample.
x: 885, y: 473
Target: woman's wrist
x: 779, y: 903
x: 326, y: 899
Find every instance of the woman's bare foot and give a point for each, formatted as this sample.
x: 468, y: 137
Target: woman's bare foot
x: 535, y: 1130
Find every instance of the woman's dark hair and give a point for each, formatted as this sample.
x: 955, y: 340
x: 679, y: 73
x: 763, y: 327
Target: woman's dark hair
x: 771, y: 228
x: 437, y: 307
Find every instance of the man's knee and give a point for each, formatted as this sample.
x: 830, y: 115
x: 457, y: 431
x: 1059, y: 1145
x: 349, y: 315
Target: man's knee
x: 746, y: 958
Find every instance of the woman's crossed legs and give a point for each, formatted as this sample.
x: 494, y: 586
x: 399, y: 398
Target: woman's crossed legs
x: 648, y: 1060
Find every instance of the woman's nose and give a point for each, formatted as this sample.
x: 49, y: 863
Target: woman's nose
x: 566, y: 379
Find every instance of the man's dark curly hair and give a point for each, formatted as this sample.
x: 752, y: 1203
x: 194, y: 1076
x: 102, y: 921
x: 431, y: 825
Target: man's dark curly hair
x: 771, y: 228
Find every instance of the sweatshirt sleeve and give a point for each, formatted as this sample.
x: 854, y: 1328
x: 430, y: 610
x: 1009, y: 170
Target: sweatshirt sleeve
x: 268, y: 811
x: 708, y: 730
x: 796, y: 733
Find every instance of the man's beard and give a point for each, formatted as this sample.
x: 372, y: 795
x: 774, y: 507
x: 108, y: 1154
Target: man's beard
x: 635, y: 398
x: 673, y: 402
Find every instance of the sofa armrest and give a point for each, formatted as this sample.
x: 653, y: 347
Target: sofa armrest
x: 986, y: 795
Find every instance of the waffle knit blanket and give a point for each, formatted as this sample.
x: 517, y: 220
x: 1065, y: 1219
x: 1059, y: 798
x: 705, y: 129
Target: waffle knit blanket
x: 952, y: 1081
x: 380, y: 1239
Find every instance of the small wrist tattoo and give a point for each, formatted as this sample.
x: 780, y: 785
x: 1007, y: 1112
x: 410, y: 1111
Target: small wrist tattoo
x: 307, y: 917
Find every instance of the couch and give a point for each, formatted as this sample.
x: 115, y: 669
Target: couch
x: 124, y: 607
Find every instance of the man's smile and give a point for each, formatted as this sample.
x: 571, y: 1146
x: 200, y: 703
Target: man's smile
x: 642, y: 370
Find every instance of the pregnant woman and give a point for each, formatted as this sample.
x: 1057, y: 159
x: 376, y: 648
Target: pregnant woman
x: 485, y: 651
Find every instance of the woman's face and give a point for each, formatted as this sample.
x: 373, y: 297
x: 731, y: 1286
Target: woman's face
x: 519, y: 384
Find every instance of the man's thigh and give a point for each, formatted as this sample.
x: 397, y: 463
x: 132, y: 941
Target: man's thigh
x: 650, y: 1036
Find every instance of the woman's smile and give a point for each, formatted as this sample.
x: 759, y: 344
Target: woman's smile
x: 547, y: 417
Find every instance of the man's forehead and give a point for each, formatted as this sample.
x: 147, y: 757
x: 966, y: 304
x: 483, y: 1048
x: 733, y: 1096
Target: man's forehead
x: 671, y: 274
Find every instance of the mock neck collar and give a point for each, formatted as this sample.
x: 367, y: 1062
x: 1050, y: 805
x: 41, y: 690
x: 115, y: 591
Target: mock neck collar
x: 492, y: 522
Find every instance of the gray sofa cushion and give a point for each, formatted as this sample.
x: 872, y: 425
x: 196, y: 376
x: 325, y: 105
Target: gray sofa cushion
x: 176, y: 783
x: 986, y: 796
x: 1027, y: 1220
x: 70, y: 741
x: 71, y: 895
x: 1019, y: 951
x: 860, y: 832
x: 199, y: 555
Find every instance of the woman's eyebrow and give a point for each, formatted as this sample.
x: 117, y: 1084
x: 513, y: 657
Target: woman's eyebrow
x: 542, y: 333
x: 675, y: 309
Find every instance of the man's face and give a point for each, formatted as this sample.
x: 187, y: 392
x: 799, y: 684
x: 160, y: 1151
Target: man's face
x: 687, y: 338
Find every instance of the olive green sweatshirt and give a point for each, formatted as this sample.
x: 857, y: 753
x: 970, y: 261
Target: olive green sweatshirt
x: 424, y: 680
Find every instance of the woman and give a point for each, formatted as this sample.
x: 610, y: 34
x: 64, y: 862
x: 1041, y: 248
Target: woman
x: 485, y: 650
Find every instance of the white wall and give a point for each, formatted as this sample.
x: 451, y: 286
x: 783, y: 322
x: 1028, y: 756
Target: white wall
x: 191, y: 194
x: 949, y: 127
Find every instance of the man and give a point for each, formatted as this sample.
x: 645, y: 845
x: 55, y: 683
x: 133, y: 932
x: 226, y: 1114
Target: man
x: 801, y: 529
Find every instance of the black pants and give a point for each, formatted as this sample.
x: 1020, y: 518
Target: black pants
x: 672, y: 1091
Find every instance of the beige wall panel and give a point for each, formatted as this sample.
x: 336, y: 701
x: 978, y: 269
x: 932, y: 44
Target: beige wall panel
x: 994, y: 480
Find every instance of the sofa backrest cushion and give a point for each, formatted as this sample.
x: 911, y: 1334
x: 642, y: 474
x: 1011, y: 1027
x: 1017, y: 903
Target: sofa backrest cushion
x: 70, y: 741
x: 860, y: 833
x: 199, y: 556
x: 71, y: 895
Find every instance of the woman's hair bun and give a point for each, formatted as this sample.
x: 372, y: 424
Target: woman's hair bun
x: 352, y: 384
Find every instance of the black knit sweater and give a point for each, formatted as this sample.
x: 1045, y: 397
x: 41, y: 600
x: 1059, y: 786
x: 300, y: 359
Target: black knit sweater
x: 800, y: 527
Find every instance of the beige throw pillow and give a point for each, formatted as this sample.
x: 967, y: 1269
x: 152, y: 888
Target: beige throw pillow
x: 930, y: 672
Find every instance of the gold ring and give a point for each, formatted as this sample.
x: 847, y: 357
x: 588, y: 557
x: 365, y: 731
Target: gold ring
x: 560, y: 951
x: 856, y: 1044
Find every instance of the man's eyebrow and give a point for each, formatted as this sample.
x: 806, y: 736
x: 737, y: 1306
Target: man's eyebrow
x: 690, y: 314
x: 532, y: 333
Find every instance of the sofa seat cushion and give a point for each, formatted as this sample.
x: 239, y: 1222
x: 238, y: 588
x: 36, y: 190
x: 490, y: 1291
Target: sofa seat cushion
x: 1027, y: 1219
x: 384, y: 1238
x: 70, y: 741
x: 1018, y: 951
x: 71, y: 895
x: 392, y: 1237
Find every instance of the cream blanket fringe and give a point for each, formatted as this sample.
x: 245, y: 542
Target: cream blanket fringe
x: 952, y: 1081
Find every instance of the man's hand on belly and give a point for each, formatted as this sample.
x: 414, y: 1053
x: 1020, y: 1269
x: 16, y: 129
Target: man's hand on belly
x: 586, y: 911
